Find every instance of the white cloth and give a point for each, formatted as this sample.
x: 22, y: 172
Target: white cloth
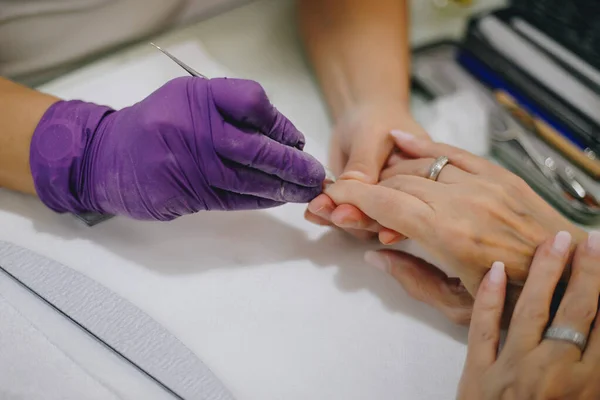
x: 460, y: 120
x: 40, y: 39
x: 33, y: 368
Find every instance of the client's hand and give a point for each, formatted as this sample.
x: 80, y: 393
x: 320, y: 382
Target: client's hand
x: 532, y: 365
x: 360, y: 148
x: 474, y: 214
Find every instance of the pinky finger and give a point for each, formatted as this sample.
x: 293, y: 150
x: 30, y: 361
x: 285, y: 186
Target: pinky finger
x: 484, y: 333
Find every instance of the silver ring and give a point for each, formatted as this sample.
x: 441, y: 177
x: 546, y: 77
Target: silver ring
x: 566, y: 335
x: 436, y: 167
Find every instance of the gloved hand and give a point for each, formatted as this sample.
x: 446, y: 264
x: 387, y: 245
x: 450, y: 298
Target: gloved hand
x: 194, y: 144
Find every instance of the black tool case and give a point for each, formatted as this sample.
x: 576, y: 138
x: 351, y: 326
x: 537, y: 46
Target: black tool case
x: 476, y: 63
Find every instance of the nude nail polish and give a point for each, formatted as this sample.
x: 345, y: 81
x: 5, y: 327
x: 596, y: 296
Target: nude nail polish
x: 593, y: 242
x: 562, y: 242
x: 497, y: 273
x: 377, y: 260
x: 401, y: 135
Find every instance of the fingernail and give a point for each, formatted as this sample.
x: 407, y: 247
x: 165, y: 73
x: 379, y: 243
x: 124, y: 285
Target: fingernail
x: 593, y: 242
x: 323, y: 211
x: 329, y: 179
x: 497, y: 273
x: 329, y: 175
x: 377, y: 260
x: 402, y: 136
x: 356, y: 175
x: 562, y: 242
x: 341, y: 220
x: 348, y: 224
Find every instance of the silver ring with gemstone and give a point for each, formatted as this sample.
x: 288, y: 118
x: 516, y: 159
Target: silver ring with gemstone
x: 436, y: 167
x: 566, y: 334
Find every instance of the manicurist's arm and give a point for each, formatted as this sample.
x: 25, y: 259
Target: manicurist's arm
x: 21, y: 109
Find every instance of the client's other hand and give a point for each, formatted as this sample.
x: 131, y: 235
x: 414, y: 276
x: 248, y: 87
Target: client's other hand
x: 533, y: 362
x: 474, y: 214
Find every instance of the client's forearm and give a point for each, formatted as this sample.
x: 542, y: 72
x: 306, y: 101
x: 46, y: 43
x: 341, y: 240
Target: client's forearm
x: 21, y: 109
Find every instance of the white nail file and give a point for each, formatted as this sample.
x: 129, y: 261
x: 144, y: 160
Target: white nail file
x: 115, y: 322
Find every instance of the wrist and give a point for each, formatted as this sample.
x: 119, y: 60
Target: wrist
x: 61, y: 154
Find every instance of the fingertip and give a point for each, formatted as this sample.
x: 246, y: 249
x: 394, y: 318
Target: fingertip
x: 357, y: 176
x: 388, y: 237
x: 497, y: 274
x: 346, y: 216
x: 377, y: 260
x: 308, y: 194
x: 402, y: 137
x: 407, y: 142
x: 319, y: 203
x: 315, y: 219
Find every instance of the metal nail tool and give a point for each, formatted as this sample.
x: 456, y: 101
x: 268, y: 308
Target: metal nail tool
x: 330, y: 177
x: 505, y: 129
x: 183, y: 65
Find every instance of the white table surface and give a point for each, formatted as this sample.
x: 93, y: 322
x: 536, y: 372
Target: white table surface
x: 277, y: 307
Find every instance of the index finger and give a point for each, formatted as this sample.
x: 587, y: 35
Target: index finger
x: 393, y: 209
x: 484, y: 333
x: 532, y: 311
x: 262, y: 153
x: 245, y: 102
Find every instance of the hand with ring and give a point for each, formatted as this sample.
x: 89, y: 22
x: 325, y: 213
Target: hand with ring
x: 473, y: 213
x: 537, y: 361
x: 360, y: 148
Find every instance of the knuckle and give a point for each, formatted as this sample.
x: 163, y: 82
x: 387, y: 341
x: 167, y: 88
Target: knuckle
x: 458, y: 157
x: 488, y: 335
x: 516, y: 185
x: 528, y: 382
x: 532, y: 312
x: 253, y: 96
x: 588, y: 264
x: 422, y: 168
x: 578, y: 308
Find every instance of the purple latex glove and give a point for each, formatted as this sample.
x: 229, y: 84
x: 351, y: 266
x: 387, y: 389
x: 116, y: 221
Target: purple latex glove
x: 194, y: 144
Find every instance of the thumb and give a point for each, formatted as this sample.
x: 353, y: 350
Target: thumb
x: 426, y: 283
x: 367, y: 157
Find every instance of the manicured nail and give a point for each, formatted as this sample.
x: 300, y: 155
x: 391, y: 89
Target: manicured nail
x: 593, y: 242
x: 562, y: 242
x: 357, y: 176
x: 329, y: 175
x: 377, y: 260
x: 402, y: 136
x: 497, y: 273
